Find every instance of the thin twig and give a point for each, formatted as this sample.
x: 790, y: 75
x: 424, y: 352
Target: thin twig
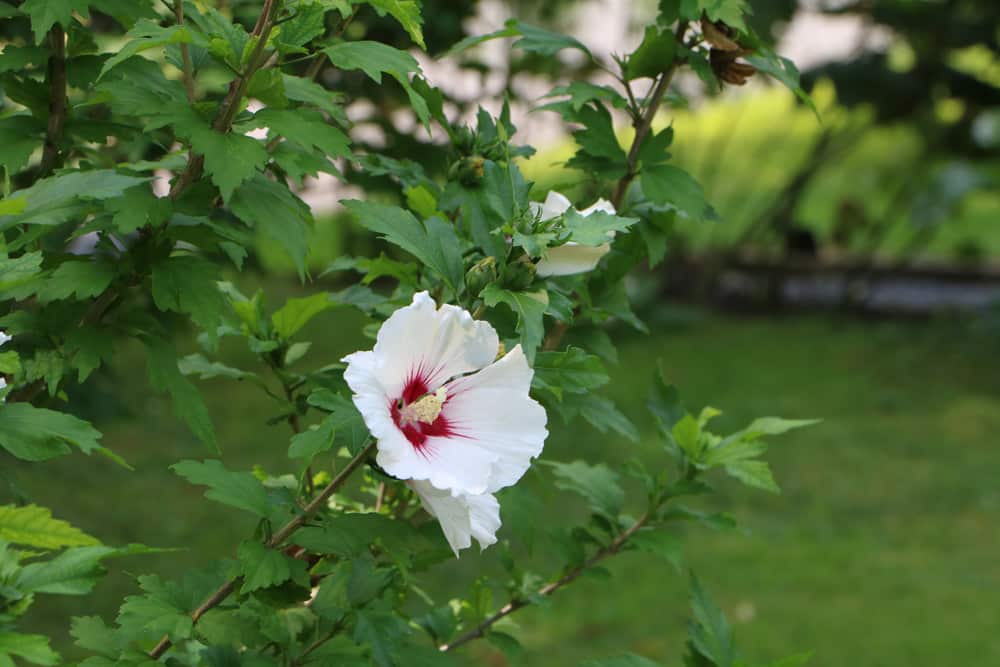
x: 57, y: 108
x: 552, y: 587
x: 276, y: 540
x: 645, y: 123
x: 188, y: 69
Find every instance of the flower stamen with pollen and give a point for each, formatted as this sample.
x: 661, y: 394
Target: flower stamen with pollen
x: 426, y: 409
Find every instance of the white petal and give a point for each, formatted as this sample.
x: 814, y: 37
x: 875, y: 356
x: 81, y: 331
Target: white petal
x: 419, y: 339
x: 571, y: 258
x: 437, y: 343
x: 599, y: 205
x: 462, y: 517
x: 555, y: 205
x: 499, y: 428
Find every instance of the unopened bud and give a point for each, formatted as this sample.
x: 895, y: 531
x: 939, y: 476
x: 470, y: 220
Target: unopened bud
x: 468, y: 170
x: 482, y: 273
x: 519, y: 273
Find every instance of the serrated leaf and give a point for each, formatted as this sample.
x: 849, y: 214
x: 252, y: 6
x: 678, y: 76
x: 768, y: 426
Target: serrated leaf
x: 407, y: 12
x: 662, y: 543
x: 137, y: 208
x: 16, y: 271
x: 754, y: 473
x: 304, y: 90
x: 34, y: 649
x: 147, y: 34
x: 81, y: 279
x: 530, y: 309
x: 666, y: 184
x: 709, y: 631
x: 20, y: 136
x: 544, y: 42
x: 598, y: 484
x: 230, y: 159
x: 34, y: 526
x: 601, y: 413
x: 237, y: 489
x: 374, y: 59
x: 278, y: 214
x: 262, y: 567
x: 75, y: 571
x: 654, y: 55
x: 572, y: 371
x: 433, y: 242
x: 595, y: 229
x: 348, y: 424
x: 58, y: 199
x: 306, y: 127
x: 46, y: 13
x: 187, y: 284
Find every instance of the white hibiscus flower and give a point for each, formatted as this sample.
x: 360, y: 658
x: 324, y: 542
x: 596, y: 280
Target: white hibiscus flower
x: 443, y: 409
x: 570, y: 257
x: 462, y: 517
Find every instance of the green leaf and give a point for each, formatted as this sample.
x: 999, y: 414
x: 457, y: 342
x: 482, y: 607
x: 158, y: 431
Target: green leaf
x: 306, y: 24
x: 34, y: 526
x: 46, y: 13
x: 601, y: 413
x: 660, y: 542
x: 81, y: 279
x: 664, y: 403
x: 407, y: 12
x: 263, y: 567
x: 187, y: 284
x: 16, y: 271
x: 773, y: 426
x: 165, y: 375
x: 237, y: 489
x: 37, y: 434
x: 754, y: 473
x: 278, y: 214
x: 710, y: 633
x: 137, y: 208
x: 20, y: 136
x: 654, y: 56
x: 666, y: 184
x: 598, y: 484
x: 91, y: 633
x: 313, y: 441
x: 383, y: 633
x: 89, y: 348
x: 596, y: 228
x: 374, y: 59
x: 230, y: 159
x: 58, y: 199
x: 546, y: 43
x: 196, y: 364
x: 305, y: 127
x: 572, y: 371
x: 352, y: 535
x: 627, y: 660
x: 582, y: 92
x: 347, y: 422
x: 147, y: 34
x: 161, y: 611
x: 530, y: 309
x: 297, y: 312
x: 301, y: 89
x: 31, y: 648
x: 74, y: 571
x: 782, y: 69
x: 434, y: 242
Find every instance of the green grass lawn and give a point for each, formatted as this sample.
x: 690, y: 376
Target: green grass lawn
x: 882, y: 549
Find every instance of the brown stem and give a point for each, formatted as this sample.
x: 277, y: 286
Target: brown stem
x: 552, y: 587
x: 234, y: 97
x: 188, y: 69
x: 645, y: 123
x: 57, y: 108
x: 276, y: 540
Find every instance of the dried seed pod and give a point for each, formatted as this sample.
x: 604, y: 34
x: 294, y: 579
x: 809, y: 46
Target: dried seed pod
x: 719, y: 35
x: 727, y: 69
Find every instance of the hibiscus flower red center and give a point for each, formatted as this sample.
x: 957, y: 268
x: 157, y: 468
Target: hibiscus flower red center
x: 418, y: 413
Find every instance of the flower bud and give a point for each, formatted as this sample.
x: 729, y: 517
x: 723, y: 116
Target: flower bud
x: 519, y: 273
x: 468, y: 170
x: 481, y: 274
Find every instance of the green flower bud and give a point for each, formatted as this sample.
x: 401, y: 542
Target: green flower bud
x: 481, y: 274
x: 519, y: 273
x: 468, y: 170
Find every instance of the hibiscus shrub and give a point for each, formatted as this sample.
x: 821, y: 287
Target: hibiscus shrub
x: 143, y: 170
